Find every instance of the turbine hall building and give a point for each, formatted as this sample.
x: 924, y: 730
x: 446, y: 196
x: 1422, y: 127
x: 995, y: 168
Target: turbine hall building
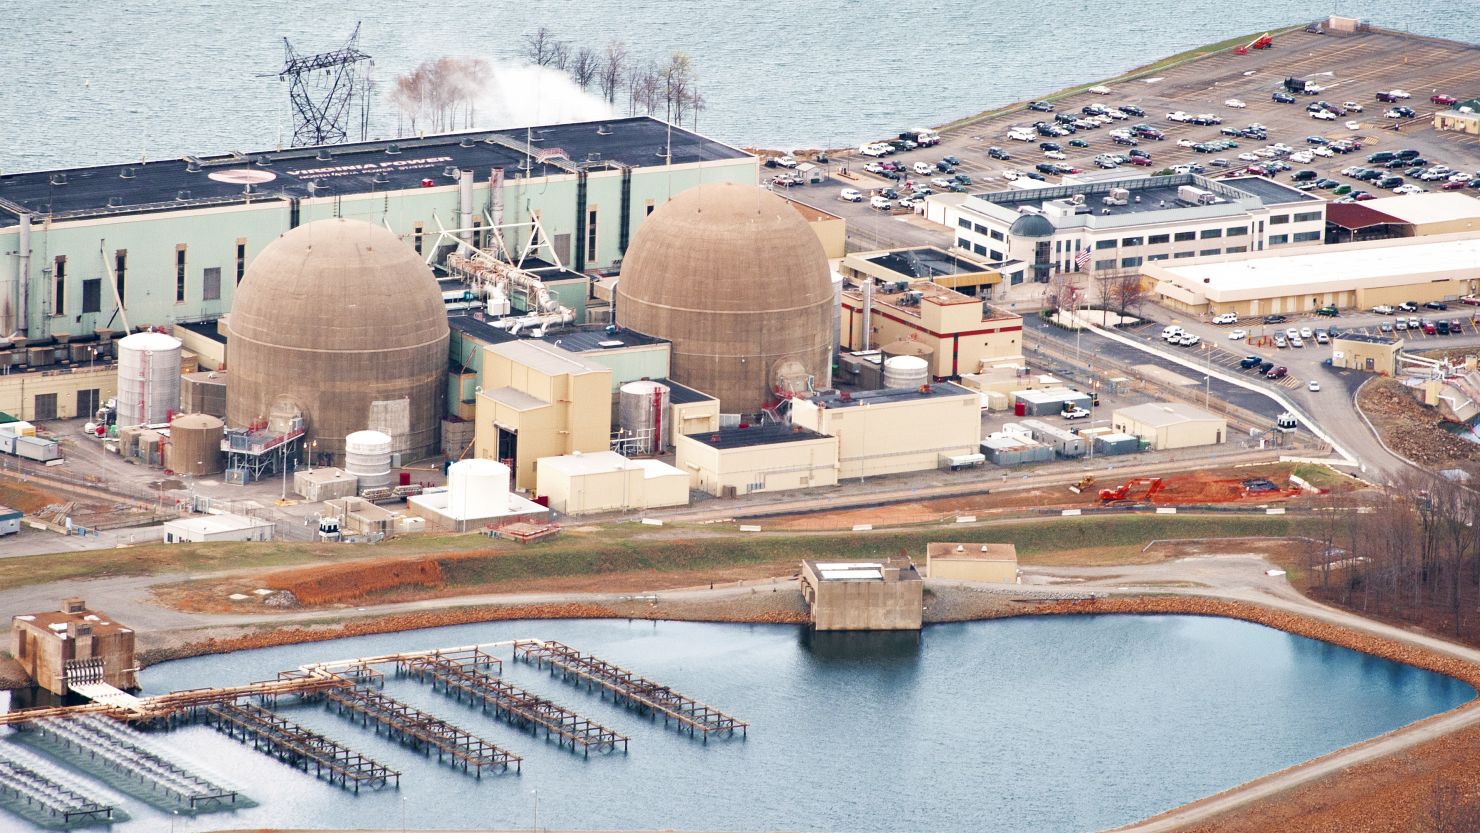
x: 168, y: 241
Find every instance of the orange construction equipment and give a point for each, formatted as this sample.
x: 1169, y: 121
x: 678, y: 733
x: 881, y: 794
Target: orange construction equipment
x: 1121, y: 492
x: 1264, y: 41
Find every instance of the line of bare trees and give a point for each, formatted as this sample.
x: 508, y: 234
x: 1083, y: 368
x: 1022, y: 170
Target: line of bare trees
x: 1412, y: 553
x: 650, y: 87
x: 440, y: 94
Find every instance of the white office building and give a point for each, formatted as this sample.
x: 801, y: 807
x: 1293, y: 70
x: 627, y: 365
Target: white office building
x: 1031, y: 234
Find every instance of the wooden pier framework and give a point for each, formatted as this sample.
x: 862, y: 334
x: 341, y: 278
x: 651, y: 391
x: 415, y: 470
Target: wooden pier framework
x: 462, y: 675
x: 34, y: 793
x: 418, y: 729
x: 270, y: 733
x: 626, y: 687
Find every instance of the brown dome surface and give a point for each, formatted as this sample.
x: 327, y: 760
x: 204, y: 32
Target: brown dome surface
x: 739, y: 282
x: 343, y: 318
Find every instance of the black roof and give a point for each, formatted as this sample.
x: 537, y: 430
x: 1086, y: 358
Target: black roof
x: 1269, y: 191
x: 584, y: 339
x: 1369, y: 339
x: 767, y: 434
x: 208, y: 329
x: 362, y: 167
x: 683, y: 395
x: 925, y: 262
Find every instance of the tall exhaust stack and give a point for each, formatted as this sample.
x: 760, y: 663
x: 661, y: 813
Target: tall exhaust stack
x: 465, y: 194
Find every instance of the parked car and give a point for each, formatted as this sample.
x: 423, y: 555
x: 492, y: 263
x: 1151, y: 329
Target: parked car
x: 1055, y: 154
x: 1313, y: 386
x: 1238, y: 335
x: 1250, y: 361
x: 1408, y: 306
x: 998, y: 153
x: 880, y: 204
x: 1328, y: 311
x: 1275, y: 319
x: 1041, y: 106
x: 1276, y: 373
x: 1383, y: 309
x: 1225, y: 318
x: 1437, y: 305
x: 1441, y: 98
x: 1283, y: 98
x: 1235, y: 104
x: 1281, y: 342
x: 1323, y: 115
x: 1074, y: 412
x: 850, y: 195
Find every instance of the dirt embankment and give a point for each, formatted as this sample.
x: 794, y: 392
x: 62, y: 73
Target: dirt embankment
x: 1412, y: 429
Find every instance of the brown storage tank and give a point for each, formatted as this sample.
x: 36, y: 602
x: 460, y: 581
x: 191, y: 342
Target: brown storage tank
x: 739, y: 283
x: 344, y: 320
x: 195, y: 444
x: 907, y: 347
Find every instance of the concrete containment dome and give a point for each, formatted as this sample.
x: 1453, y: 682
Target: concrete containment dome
x: 737, y: 280
x: 343, y: 319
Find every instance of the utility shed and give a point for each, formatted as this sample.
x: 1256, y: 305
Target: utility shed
x: 1048, y: 401
x: 1168, y: 425
x: 1373, y: 354
x: 324, y: 483
x: 73, y: 644
x: 996, y: 563
x: 1064, y: 442
x: 1012, y: 450
x: 863, y: 595
x: 10, y: 520
x: 203, y: 528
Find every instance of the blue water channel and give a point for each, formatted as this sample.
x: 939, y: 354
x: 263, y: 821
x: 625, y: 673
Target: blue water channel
x: 1024, y: 725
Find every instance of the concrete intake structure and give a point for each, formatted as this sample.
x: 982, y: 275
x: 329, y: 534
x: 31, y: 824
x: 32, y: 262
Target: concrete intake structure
x: 739, y: 283
x: 343, y: 320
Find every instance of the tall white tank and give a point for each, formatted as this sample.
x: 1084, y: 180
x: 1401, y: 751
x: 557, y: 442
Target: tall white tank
x: 906, y: 372
x: 837, y: 327
x: 477, y: 488
x: 148, y: 378
x: 367, y: 455
x: 643, y: 412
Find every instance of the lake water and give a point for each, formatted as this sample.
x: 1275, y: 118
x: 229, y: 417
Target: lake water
x: 90, y: 82
x: 1025, y: 725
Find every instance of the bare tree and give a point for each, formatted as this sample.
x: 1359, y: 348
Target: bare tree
x: 1127, y: 291
x: 539, y: 47
x: 560, y: 55
x: 696, y: 103
x: 677, y: 86
x: 583, y: 66
x: 440, y: 93
x: 613, y: 68
x: 644, y: 89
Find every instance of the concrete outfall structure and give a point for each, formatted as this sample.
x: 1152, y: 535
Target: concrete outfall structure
x: 343, y: 321
x: 62, y: 647
x: 863, y: 595
x: 740, y: 285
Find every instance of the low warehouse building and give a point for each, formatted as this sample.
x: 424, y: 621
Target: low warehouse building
x: 863, y: 595
x: 324, y: 483
x: 1169, y: 425
x: 605, y: 481
x: 200, y: 529
x: 1064, y: 442
x: 60, y: 648
x: 895, y: 429
x: 1373, y: 354
x: 764, y: 458
x: 1048, y: 401
x: 1357, y: 275
x: 997, y: 563
x: 1003, y: 449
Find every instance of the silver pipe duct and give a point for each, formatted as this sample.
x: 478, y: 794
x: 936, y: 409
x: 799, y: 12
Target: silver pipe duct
x: 23, y: 276
x: 465, y: 193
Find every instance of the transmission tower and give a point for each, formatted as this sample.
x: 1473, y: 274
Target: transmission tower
x: 327, y: 91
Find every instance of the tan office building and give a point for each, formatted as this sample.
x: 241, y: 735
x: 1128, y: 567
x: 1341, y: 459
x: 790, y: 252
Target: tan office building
x: 962, y: 333
x: 605, y: 481
x: 895, y: 429
x: 997, y: 563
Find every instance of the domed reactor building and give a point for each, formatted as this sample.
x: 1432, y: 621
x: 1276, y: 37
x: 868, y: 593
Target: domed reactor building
x: 737, y: 281
x: 340, y: 320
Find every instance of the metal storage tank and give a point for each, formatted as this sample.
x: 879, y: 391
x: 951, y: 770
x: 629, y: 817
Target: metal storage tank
x: 148, y: 378
x: 907, y: 347
x: 367, y: 456
x: 642, y: 411
x: 906, y: 372
x: 477, y: 488
x: 195, y: 444
x: 739, y: 283
x: 342, y: 318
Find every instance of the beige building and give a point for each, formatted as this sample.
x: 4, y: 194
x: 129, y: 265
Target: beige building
x: 831, y: 230
x: 923, y: 263
x: 1463, y: 118
x: 1372, y: 354
x: 997, y: 563
x: 58, y: 392
x: 1351, y: 275
x: 895, y: 429
x: 1169, y: 425
x: 863, y: 595
x: 765, y: 458
x: 72, y: 645
x: 605, y: 481
x: 962, y: 334
x: 540, y: 401
x: 1432, y: 213
x: 200, y: 529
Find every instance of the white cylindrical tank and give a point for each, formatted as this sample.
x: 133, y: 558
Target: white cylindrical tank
x: 477, y: 488
x: 367, y: 455
x: 642, y: 412
x: 148, y: 378
x: 906, y: 372
x: 837, y: 327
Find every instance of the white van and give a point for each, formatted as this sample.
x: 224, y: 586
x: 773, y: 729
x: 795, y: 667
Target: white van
x: 850, y: 195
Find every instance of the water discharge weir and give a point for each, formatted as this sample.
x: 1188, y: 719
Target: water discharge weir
x: 637, y: 692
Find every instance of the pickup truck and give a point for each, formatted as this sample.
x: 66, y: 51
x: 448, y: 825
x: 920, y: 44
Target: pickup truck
x: 1074, y: 412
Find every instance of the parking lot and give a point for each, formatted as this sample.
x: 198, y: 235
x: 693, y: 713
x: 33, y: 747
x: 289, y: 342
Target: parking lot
x: 1349, y: 67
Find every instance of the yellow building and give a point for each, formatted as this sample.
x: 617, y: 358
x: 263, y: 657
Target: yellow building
x: 831, y: 230
x: 1169, y: 425
x: 997, y: 563
x: 1373, y: 354
x: 1425, y: 215
x: 962, y: 333
x: 58, y: 392
x: 765, y: 458
x: 539, y: 401
x: 1349, y: 275
x: 1464, y: 117
x: 895, y: 429
x: 605, y: 481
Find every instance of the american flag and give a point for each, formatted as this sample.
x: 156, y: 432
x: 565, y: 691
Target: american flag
x: 1081, y: 259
